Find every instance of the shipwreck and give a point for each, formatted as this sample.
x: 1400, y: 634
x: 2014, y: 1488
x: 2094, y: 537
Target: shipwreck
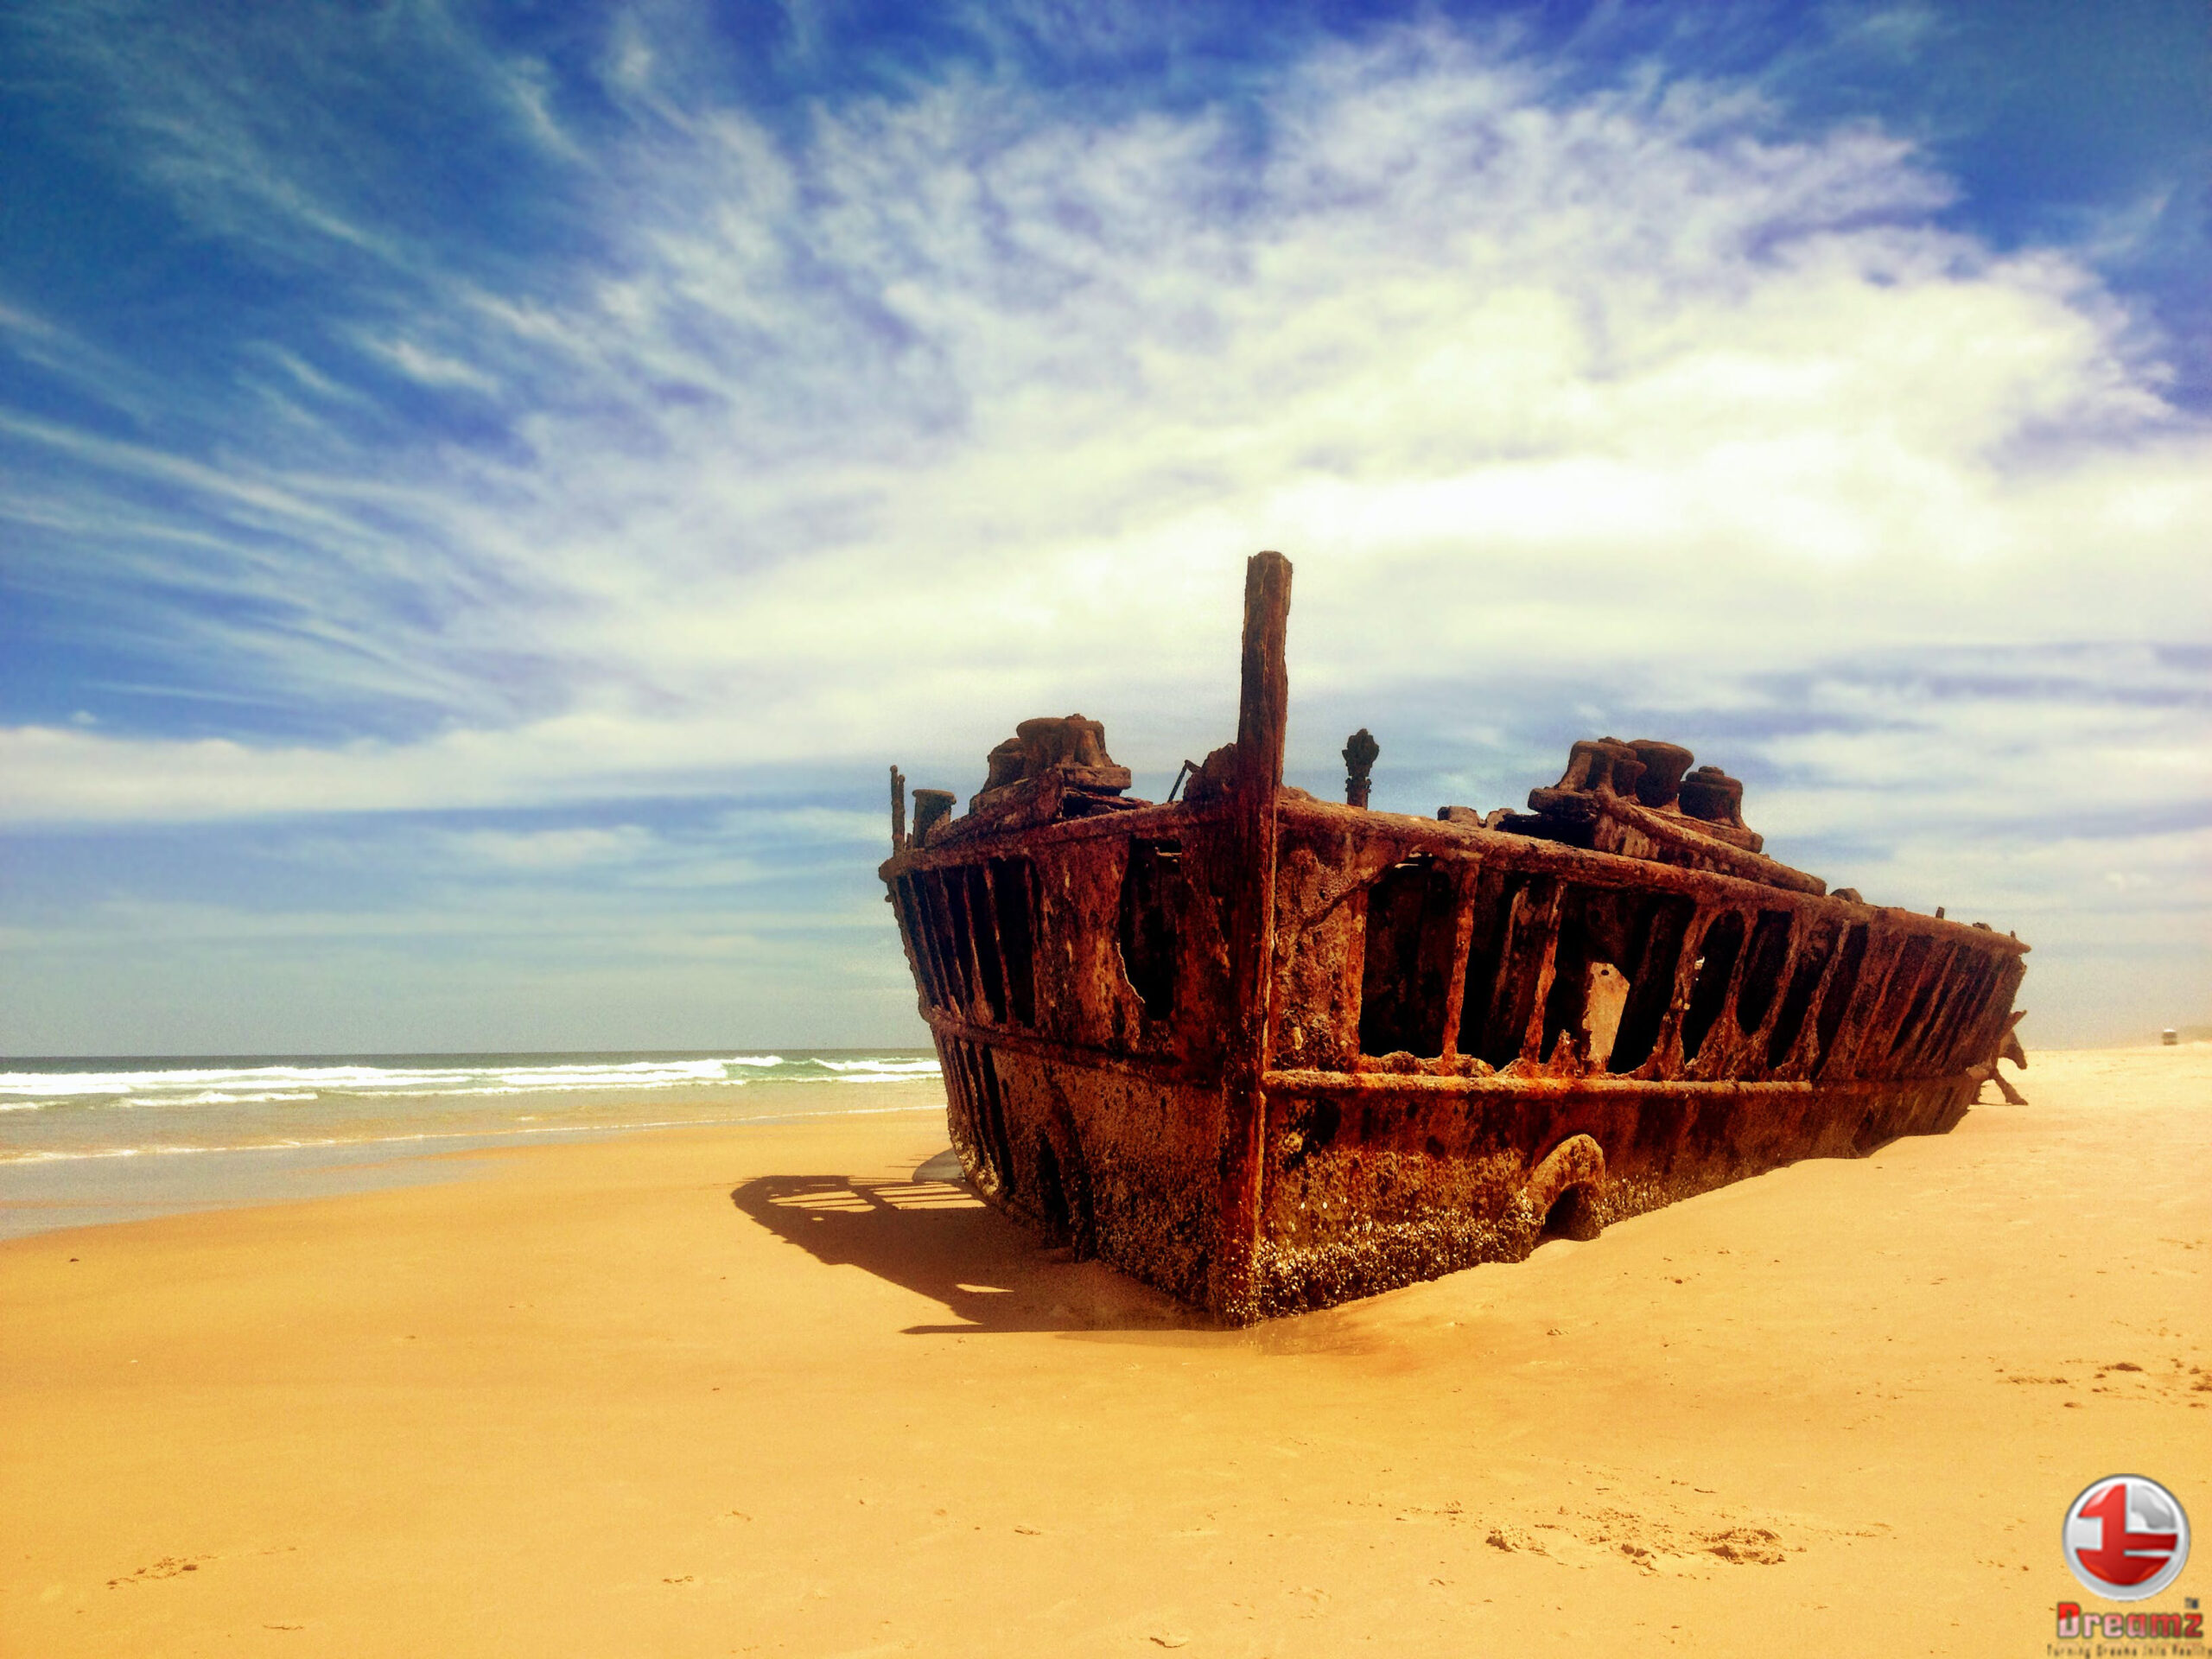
x: 1269, y: 1053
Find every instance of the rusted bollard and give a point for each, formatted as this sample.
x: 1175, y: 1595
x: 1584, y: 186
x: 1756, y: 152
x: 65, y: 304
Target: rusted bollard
x: 932, y: 808
x: 1360, y: 751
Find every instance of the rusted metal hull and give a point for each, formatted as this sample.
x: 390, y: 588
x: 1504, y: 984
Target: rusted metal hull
x: 1269, y: 1053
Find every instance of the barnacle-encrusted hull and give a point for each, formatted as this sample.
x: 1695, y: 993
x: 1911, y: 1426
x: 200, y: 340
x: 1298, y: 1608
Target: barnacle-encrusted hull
x: 1269, y: 1053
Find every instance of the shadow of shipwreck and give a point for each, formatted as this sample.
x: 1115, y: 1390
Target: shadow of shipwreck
x: 935, y: 1238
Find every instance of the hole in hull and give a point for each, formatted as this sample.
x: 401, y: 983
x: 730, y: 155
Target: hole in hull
x: 1841, y: 988
x: 1574, y: 1214
x: 990, y: 1102
x: 1763, y: 968
x: 1722, y: 944
x: 1920, y: 966
x: 988, y: 964
x: 1655, y: 947
x: 1812, y: 962
x: 1513, y: 927
x: 1411, y: 920
x: 1051, y: 1193
x: 1062, y: 1195
x: 1147, y: 925
x: 1010, y: 900
x: 952, y: 890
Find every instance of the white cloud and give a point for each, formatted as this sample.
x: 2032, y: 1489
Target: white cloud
x: 820, y: 826
x: 552, y: 850
x: 432, y: 368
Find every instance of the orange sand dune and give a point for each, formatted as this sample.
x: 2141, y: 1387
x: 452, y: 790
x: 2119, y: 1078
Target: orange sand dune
x: 755, y: 1390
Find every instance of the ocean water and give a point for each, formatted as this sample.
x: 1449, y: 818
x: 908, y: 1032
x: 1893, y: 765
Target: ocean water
x: 90, y: 1141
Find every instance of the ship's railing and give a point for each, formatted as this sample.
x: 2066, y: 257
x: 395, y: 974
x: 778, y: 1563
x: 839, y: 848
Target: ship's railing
x: 1515, y: 954
x: 1478, y: 961
x: 972, y: 930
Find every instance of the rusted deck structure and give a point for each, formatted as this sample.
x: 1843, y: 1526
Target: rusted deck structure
x: 1269, y: 1053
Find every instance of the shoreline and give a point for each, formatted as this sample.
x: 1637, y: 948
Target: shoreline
x: 45, y: 1191
x: 755, y: 1389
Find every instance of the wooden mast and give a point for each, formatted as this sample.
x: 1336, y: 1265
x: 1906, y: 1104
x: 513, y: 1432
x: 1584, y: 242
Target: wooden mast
x: 1262, y: 713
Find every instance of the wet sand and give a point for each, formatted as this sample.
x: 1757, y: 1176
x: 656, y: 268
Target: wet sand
x: 755, y: 1389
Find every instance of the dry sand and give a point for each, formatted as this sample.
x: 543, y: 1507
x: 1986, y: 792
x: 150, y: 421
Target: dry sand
x: 587, y: 1404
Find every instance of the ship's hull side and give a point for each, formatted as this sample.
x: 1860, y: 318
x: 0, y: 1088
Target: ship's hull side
x: 1471, y: 1039
x: 1117, y: 1166
x: 1370, y: 1188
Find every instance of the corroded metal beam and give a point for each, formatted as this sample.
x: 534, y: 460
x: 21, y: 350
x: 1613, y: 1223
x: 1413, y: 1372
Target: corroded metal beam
x: 1262, y: 715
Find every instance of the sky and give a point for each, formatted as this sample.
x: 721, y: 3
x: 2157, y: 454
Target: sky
x: 486, y: 492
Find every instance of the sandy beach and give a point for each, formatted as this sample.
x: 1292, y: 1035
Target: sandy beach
x: 756, y: 1389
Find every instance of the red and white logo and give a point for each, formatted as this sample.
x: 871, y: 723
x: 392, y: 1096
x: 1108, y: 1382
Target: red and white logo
x: 2126, y: 1537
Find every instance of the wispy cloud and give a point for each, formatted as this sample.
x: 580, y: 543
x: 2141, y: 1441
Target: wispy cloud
x: 553, y: 849
x: 967, y: 371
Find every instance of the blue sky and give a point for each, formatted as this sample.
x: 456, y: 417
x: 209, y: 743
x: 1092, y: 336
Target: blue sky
x: 485, y: 491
